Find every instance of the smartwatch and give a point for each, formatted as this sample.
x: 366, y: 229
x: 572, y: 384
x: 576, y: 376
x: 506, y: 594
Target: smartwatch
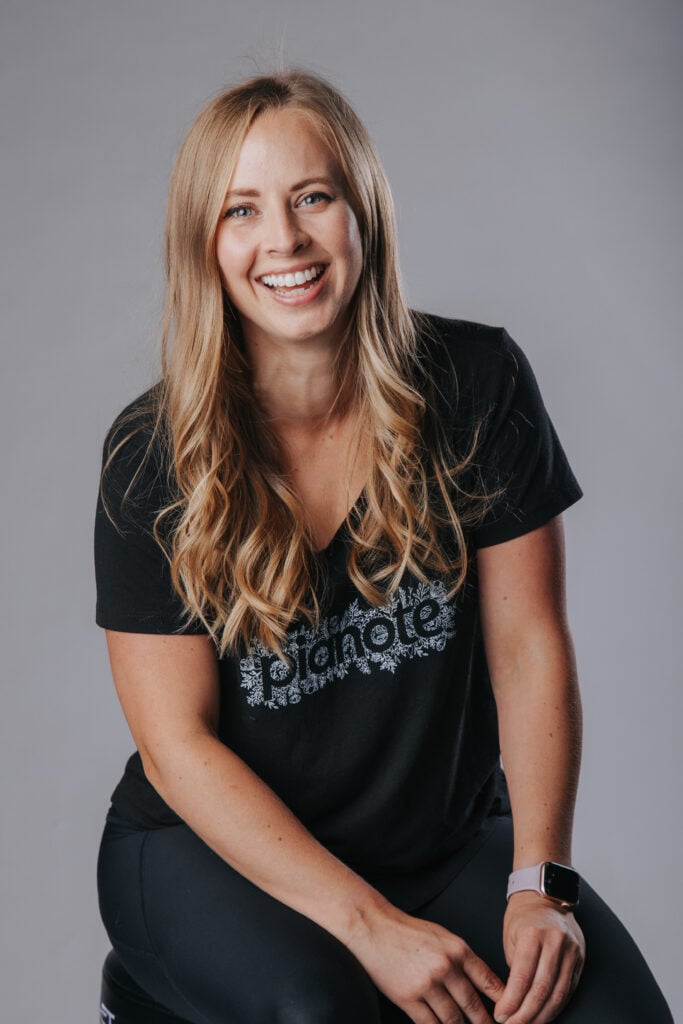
x: 556, y: 882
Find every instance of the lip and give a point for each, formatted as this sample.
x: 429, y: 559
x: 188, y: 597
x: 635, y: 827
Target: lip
x: 299, y: 300
x: 294, y: 269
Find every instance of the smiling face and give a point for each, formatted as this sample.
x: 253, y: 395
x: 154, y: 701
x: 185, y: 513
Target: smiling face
x: 288, y: 244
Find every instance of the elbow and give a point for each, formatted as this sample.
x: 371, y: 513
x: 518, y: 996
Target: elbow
x: 150, y: 767
x: 157, y: 769
x: 170, y: 763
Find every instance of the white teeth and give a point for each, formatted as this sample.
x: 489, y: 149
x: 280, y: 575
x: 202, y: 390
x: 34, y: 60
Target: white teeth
x: 292, y: 280
x: 293, y: 291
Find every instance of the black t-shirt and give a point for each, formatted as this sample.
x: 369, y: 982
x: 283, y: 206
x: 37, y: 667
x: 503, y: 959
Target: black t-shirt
x: 382, y: 738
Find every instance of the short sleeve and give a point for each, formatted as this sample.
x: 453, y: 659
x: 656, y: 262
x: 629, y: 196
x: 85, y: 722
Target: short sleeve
x: 134, y: 589
x: 520, y: 453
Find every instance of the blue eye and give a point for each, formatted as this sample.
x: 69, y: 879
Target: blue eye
x: 315, y: 195
x: 232, y: 212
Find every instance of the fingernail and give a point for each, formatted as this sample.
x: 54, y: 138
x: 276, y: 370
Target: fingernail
x: 500, y: 1020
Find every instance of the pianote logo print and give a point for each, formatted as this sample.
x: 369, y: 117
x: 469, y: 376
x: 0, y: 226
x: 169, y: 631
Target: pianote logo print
x: 417, y: 621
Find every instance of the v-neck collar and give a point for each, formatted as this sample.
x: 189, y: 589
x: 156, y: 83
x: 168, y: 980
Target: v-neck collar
x: 342, y: 530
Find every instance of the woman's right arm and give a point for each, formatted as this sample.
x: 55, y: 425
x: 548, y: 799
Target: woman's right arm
x: 169, y: 692
x: 168, y: 688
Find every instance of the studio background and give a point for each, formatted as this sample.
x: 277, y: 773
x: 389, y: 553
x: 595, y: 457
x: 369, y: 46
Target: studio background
x: 534, y: 149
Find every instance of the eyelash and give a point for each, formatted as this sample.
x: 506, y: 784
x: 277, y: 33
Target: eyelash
x: 243, y: 206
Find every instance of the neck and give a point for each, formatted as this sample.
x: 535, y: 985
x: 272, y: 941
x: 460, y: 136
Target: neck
x: 296, y: 386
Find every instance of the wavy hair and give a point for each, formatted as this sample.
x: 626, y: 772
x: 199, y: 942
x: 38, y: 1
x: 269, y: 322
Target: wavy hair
x: 241, y: 554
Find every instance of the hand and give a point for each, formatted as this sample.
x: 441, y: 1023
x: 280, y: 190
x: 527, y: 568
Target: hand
x: 545, y: 950
x: 427, y: 971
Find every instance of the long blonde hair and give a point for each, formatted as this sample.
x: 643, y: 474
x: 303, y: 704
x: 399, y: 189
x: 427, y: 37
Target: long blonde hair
x: 240, y: 551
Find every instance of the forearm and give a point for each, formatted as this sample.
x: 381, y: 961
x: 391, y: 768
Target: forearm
x: 247, y: 824
x: 540, y: 728
x: 533, y: 672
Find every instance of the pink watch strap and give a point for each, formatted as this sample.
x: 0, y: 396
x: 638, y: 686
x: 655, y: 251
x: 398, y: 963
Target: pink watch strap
x: 525, y: 878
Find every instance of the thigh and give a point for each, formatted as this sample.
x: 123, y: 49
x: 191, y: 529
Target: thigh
x: 616, y: 987
x: 213, y: 947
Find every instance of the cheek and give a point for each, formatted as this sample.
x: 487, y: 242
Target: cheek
x: 348, y: 238
x: 232, y: 259
x: 223, y: 260
x: 354, y: 244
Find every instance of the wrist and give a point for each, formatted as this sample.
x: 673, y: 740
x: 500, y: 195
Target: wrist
x: 552, y: 880
x: 358, y: 914
x: 528, y: 899
x: 537, y: 853
x: 363, y: 918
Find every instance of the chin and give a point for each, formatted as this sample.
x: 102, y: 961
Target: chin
x: 303, y: 328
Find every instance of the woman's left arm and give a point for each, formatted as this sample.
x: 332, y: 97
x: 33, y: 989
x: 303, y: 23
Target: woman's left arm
x: 533, y: 673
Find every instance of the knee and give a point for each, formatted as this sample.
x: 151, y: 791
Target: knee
x: 610, y: 999
x: 330, y: 991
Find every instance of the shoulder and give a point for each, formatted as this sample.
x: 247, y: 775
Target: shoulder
x: 465, y: 343
x: 134, y: 452
x: 133, y: 426
x: 471, y: 364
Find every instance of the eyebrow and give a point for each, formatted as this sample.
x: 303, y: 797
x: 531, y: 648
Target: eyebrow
x: 300, y: 184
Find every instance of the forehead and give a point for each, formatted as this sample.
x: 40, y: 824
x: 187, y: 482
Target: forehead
x: 282, y: 145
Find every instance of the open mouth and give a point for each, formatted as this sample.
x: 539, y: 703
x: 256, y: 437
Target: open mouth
x: 298, y: 283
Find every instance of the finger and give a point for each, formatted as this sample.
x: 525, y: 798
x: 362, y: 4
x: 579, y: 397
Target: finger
x: 481, y: 976
x: 578, y: 971
x: 522, y: 973
x: 444, y: 1006
x: 565, y: 983
x: 461, y: 995
x: 420, y: 1013
x: 542, y: 985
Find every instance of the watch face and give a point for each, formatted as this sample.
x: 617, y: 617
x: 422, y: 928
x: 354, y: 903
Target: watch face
x: 560, y: 882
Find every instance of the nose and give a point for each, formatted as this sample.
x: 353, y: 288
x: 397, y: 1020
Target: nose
x: 284, y: 233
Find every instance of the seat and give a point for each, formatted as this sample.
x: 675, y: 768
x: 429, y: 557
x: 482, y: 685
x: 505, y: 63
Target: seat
x: 122, y: 1001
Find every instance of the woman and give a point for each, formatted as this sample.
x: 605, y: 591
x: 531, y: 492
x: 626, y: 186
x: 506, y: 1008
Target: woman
x: 330, y: 566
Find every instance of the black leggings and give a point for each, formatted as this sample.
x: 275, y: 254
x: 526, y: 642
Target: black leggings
x: 214, y: 948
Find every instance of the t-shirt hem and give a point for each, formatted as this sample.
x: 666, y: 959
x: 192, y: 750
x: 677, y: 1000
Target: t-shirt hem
x: 137, y: 625
x: 497, y: 534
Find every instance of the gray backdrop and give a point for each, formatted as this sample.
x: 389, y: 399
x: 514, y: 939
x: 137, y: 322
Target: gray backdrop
x: 535, y: 151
